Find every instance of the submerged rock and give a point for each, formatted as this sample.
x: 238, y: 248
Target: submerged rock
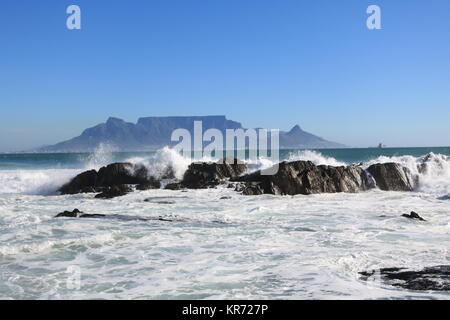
x: 431, y: 278
x: 205, y: 175
x: 304, y: 177
x: 77, y: 214
x: 69, y: 214
x: 413, y: 215
x: 392, y: 177
x: 114, y: 191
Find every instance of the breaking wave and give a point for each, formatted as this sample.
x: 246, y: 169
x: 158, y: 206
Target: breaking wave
x: 433, y: 170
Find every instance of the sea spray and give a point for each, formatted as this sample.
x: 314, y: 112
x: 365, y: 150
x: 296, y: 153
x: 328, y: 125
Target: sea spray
x: 432, y: 171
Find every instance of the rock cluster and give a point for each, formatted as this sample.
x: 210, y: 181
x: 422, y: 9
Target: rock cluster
x: 291, y: 178
x: 431, y: 278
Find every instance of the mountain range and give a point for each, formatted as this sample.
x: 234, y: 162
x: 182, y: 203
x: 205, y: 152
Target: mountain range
x: 152, y: 133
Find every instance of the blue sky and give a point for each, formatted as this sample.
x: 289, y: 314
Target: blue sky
x: 265, y: 63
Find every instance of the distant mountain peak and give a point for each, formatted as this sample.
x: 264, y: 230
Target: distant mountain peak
x: 114, y: 120
x: 152, y: 133
x: 295, y: 129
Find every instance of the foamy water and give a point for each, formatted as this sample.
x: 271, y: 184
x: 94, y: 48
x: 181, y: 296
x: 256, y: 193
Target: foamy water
x: 288, y: 247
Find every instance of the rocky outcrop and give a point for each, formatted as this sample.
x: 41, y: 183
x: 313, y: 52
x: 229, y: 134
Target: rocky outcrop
x: 290, y: 178
x: 115, y: 174
x: 392, y: 177
x: 203, y: 175
x: 431, y: 278
x: 303, y: 177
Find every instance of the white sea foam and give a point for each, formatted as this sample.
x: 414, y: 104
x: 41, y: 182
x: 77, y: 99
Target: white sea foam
x: 38, y: 182
x: 101, y: 156
x: 432, y: 170
x: 315, y: 157
x: 163, y: 160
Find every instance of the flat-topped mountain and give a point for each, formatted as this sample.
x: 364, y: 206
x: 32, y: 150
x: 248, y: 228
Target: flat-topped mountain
x: 152, y: 133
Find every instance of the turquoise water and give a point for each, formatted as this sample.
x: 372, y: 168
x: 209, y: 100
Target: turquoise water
x: 78, y: 160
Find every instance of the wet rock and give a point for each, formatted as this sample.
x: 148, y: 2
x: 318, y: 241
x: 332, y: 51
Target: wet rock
x: 173, y: 186
x: 413, y: 215
x: 239, y: 187
x: 253, y: 189
x: 114, y: 191
x: 303, y: 177
x: 82, y: 183
x: 112, y: 175
x: 77, y: 214
x: 205, y: 175
x: 69, y: 214
x: 148, y: 186
x: 122, y: 173
x: 392, y: 177
x: 431, y: 278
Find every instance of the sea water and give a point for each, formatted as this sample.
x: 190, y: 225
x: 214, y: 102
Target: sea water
x: 246, y: 247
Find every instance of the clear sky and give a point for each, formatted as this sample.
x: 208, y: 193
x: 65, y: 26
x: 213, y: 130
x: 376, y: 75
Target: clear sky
x: 265, y: 63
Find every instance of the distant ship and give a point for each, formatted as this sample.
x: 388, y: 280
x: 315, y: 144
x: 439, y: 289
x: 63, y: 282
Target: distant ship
x: 381, y: 146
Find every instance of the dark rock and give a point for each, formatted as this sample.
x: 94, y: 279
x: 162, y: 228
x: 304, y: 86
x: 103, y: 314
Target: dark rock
x: 148, y: 186
x: 413, y: 215
x: 225, y: 198
x: 431, y: 278
x: 173, y: 186
x: 111, y: 175
x: 303, y: 177
x: 114, y: 191
x: 392, y: 177
x: 69, y: 214
x: 91, y: 190
x: 253, y: 189
x: 78, y: 214
x: 239, y: 187
x: 81, y: 183
x: 96, y: 215
x: 122, y: 173
x: 205, y: 175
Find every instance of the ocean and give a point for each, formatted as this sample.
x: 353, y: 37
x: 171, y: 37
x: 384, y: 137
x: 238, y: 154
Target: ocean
x: 216, y: 247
